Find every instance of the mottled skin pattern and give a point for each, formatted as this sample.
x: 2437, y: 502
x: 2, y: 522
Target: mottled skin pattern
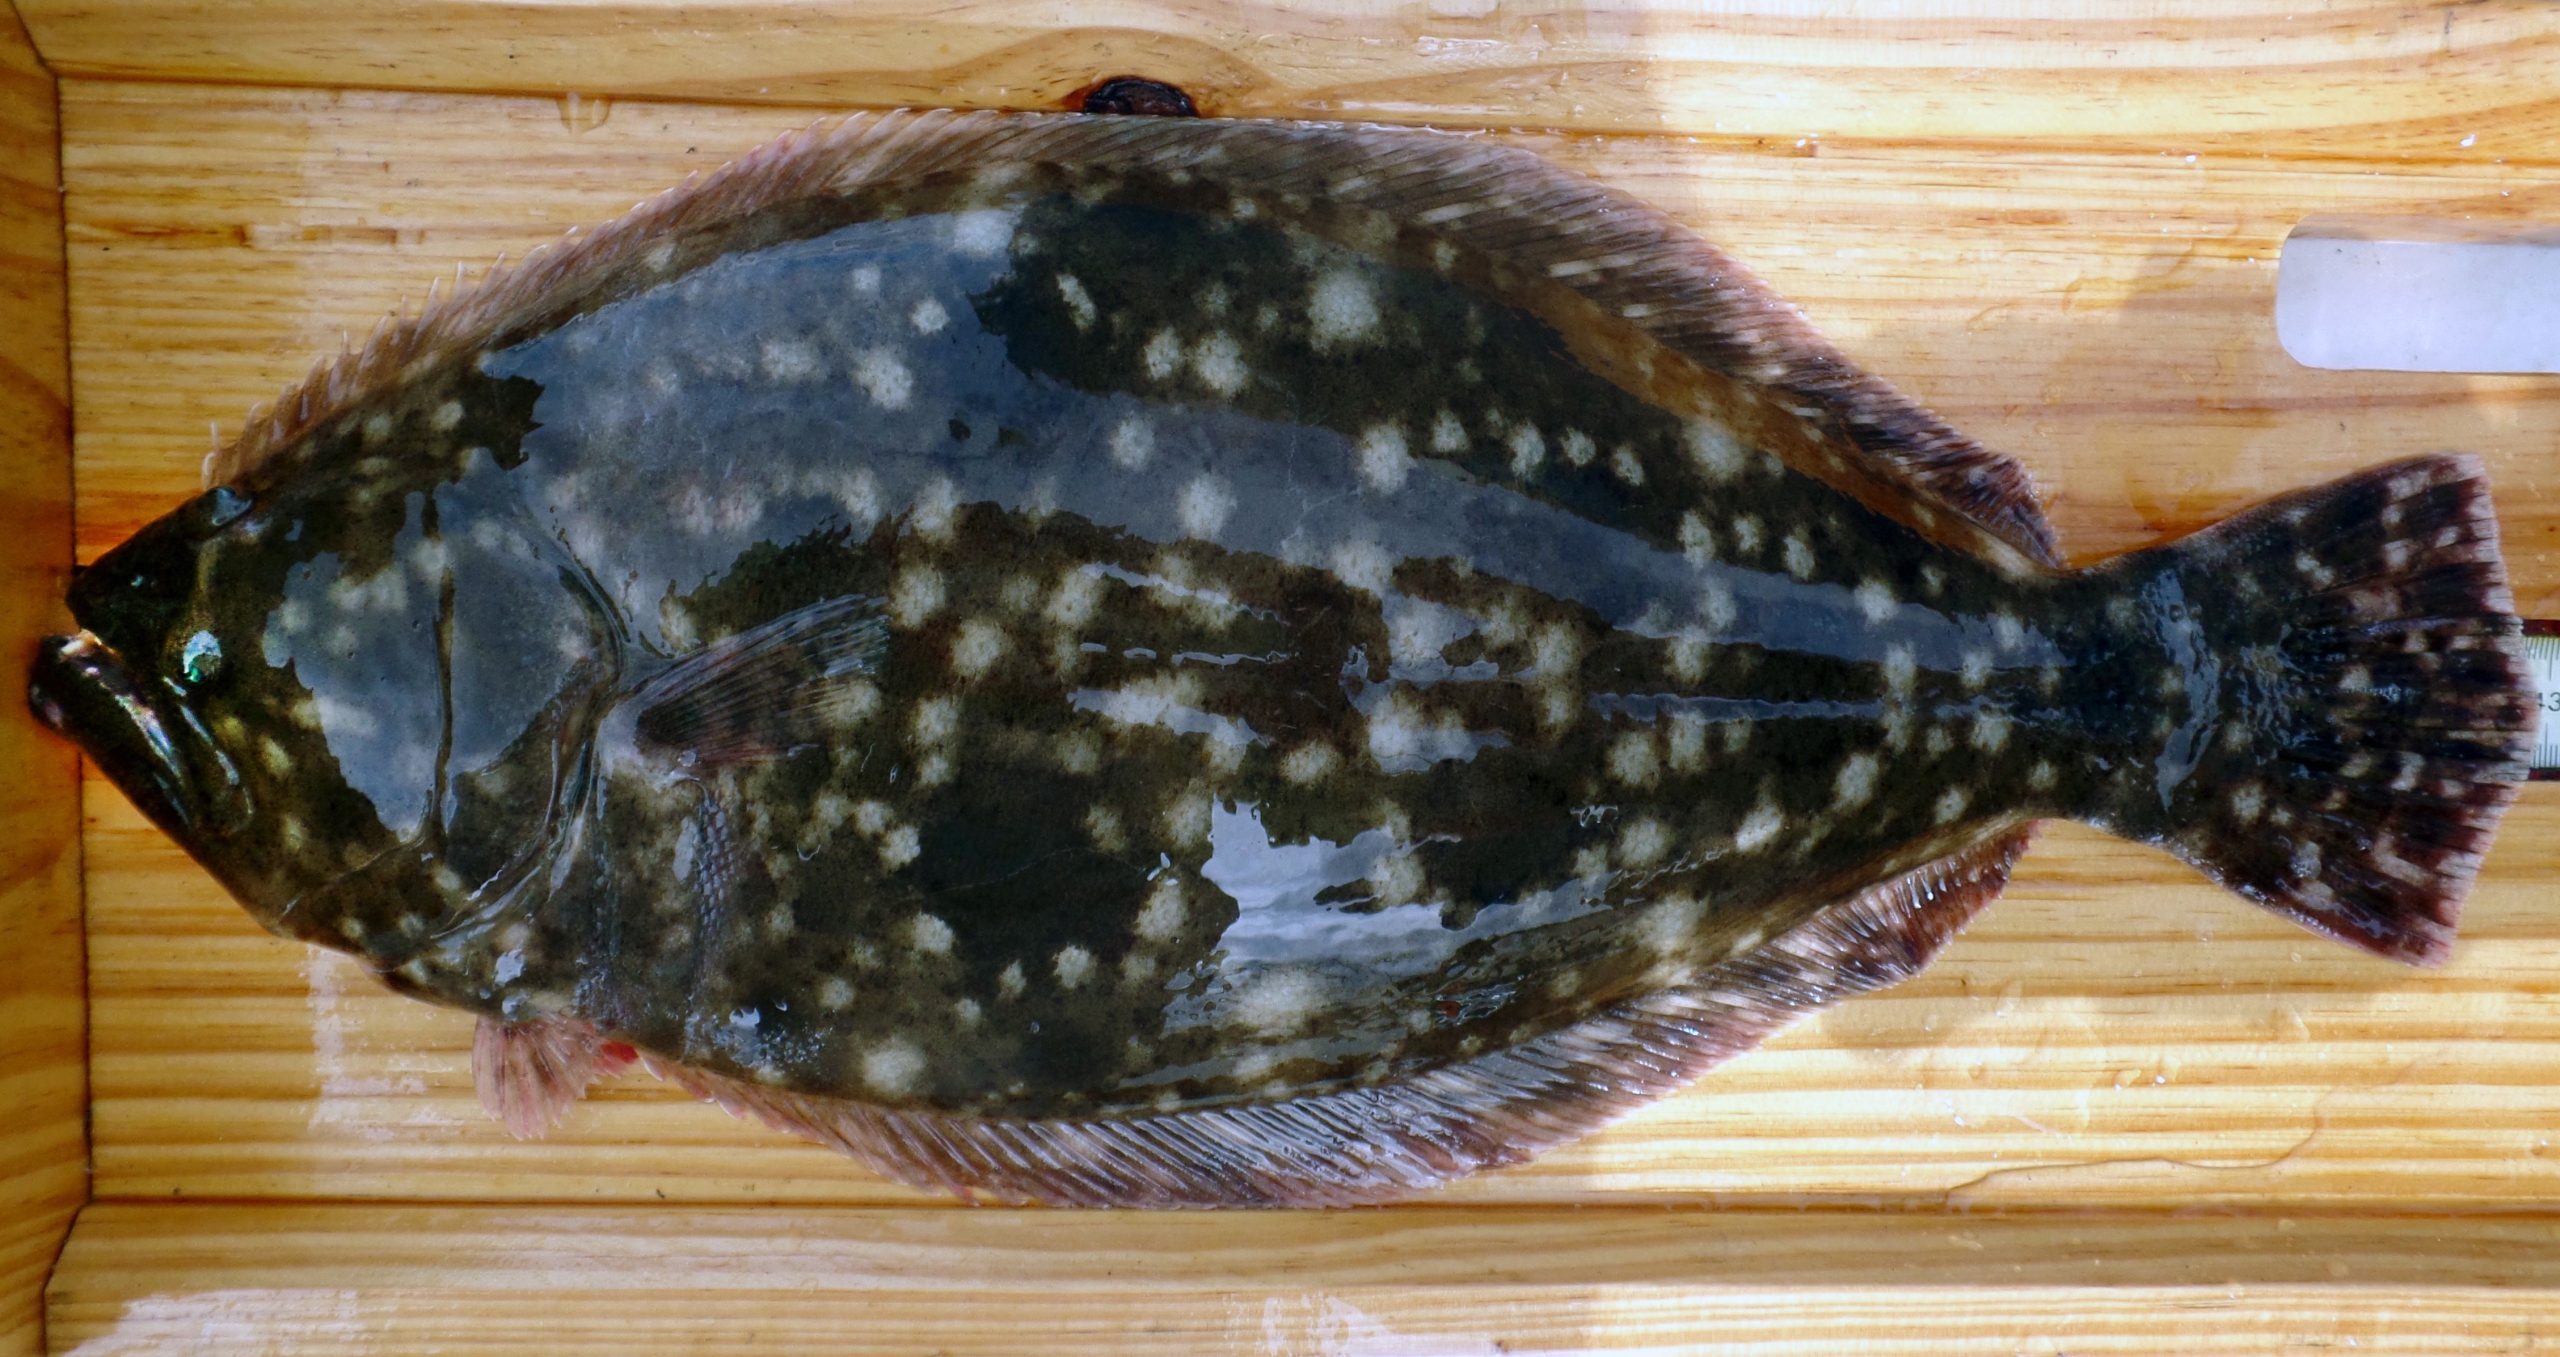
x: 1088, y: 646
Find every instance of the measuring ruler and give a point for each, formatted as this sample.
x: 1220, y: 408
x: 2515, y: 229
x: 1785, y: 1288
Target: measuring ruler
x: 2542, y: 663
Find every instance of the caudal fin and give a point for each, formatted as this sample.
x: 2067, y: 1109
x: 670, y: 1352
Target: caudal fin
x: 2379, y: 716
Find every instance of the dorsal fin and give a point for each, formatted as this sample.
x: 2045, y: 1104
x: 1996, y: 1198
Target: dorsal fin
x: 1625, y: 257
x: 1372, y: 1144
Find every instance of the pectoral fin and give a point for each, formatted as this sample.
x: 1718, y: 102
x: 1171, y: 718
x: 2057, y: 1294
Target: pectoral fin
x: 790, y: 684
x: 528, y: 1073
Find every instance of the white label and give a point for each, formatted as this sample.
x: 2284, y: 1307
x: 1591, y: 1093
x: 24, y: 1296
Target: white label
x: 2345, y: 300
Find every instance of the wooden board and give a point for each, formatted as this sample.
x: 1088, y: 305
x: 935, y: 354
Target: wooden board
x: 2358, y: 76
x: 41, y: 1152
x: 2114, y: 1036
x: 149, y: 1278
x: 2087, y: 1044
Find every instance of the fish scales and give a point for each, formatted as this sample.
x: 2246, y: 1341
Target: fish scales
x: 1167, y: 623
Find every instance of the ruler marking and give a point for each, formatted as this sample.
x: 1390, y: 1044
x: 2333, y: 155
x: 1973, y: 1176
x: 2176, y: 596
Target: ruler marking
x: 2542, y: 662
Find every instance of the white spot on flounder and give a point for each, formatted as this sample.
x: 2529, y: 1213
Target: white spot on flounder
x: 1447, y: 434
x: 1081, y: 752
x: 985, y: 231
x: 1384, y: 461
x: 1856, y: 781
x: 1689, y: 649
x: 899, y: 847
x: 1162, y: 917
x: 1280, y: 1002
x: 1632, y: 759
x: 929, y: 934
x: 938, y: 720
x: 1073, y: 966
x: 1558, y: 651
x: 1716, y: 607
x: 1079, y: 593
x: 977, y: 648
x: 1132, y: 442
x: 935, y: 506
x: 1671, y: 923
x: 1528, y: 448
x: 915, y: 595
x: 893, y: 1066
x: 1624, y: 465
x: 1080, y: 307
x: 1205, y: 506
x: 1218, y: 361
x: 1688, y: 742
x: 789, y: 360
x: 1759, y: 827
x: 1798, y: 556
x: 1397, y: 878
x: 1875, y: 600
x: 1362, y: 565
x: 1697, y: 540
x: 1643, y: 843
x: 1186, y: 818
x: 883, y: 376
x: 2008, y: 632
x: 1713, y: 448
x: 1901, y: 670
x: 1163, y: 354
x: 1342, y: 310
x: 1309, y: 763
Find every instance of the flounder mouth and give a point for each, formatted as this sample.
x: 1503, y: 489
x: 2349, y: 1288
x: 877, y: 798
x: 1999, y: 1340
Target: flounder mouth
x: 153, y: 748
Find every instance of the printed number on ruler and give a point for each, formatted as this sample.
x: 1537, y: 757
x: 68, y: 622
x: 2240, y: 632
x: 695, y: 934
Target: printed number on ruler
x: 2542, y: 660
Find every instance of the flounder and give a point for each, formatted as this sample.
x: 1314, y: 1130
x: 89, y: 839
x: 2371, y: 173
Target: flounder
x: 1128, y: 661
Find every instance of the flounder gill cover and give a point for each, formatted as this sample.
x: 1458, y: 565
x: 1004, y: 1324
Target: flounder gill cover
x: 1140, y: 661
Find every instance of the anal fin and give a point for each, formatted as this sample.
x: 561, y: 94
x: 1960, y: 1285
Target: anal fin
x: 1364, y: 1145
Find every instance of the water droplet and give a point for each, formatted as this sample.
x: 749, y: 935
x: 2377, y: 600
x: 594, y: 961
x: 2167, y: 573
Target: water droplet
x: 583, y: 113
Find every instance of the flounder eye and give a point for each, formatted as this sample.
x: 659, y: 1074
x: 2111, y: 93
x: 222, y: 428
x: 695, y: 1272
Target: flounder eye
x: 200, y: 659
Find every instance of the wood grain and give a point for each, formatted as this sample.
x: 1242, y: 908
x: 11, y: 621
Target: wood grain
x: 41, y: 1071
x: 2115, y: 1034
x: 2413, y: 79
x: 349, y: 1280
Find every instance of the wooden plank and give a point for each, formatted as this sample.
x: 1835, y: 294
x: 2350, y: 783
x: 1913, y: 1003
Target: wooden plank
x: 2115, y: 1033
x: 2112, y: 1034
x: 352, y: 1279
x: 2412, y: 78
x: 42, y: 1154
